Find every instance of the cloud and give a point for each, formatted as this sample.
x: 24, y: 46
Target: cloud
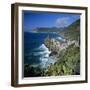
x: 63, y: 22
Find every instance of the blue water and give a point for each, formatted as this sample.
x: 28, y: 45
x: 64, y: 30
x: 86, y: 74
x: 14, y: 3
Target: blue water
x: 35, y: 52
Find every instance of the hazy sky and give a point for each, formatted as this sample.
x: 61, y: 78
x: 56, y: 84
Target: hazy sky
x: 33, y: 20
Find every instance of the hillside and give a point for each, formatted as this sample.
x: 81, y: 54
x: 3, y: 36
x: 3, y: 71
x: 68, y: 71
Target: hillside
x: 68, y: 63
x: 72, y: 32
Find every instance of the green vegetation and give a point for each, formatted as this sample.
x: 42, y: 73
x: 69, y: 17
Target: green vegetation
x: 67, y: 64
x: 31, y: 71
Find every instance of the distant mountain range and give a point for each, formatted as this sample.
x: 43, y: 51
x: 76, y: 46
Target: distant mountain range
x: 71, y: 32
x: 46, y: 29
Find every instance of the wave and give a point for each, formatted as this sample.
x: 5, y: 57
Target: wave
x: 41, y: 54
x: 35, y: 52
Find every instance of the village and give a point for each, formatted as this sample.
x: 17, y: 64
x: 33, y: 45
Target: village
x: 55, y: 46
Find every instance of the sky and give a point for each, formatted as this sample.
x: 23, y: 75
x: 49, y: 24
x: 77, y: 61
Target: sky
x: 34, y: 19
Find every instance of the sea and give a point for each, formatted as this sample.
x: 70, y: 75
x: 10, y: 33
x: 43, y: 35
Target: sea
x: 35, y: 52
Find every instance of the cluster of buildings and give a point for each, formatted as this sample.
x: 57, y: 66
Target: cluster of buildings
x: 56, y: 46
